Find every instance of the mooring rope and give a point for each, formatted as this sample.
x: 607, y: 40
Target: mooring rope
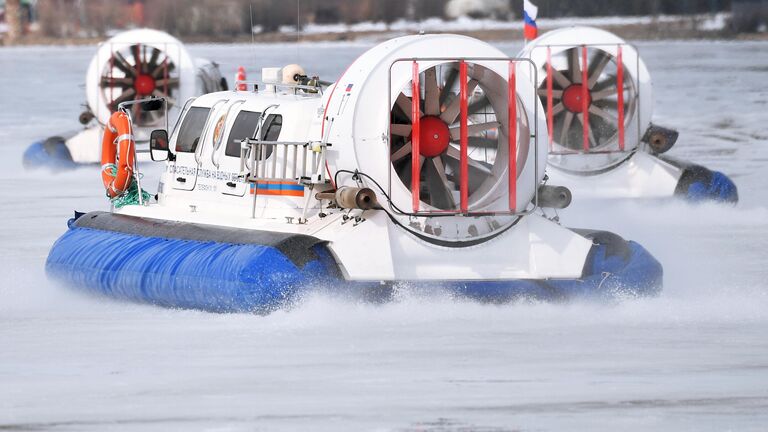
x: 131, y: 195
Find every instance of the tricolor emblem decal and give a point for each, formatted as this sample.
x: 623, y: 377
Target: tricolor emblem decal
x: 284, y: 188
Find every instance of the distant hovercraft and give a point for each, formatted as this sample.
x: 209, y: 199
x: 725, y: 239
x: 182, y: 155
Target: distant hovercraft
x: 598, y: 101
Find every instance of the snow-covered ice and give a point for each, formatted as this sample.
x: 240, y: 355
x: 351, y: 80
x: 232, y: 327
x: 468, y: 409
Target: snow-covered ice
x: 696, y: 358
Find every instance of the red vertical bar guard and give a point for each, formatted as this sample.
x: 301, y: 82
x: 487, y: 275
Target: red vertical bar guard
x: 620, y: 95
x: 550, y: 123
x: 415, y: 135
x: 111, y: 78
x: 463, y: 137
x: 585, y: 96
x: 165, y: 73
x: 512, y: 127
x: 137, y: 57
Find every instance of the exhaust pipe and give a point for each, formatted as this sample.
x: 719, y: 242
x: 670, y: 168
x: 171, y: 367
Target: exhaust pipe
x: 351, y: 198
x: 660, y: 139
x: 558, y: 197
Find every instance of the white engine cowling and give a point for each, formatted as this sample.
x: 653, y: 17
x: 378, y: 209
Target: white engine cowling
x: 368, y: 124
x: 565, y: 49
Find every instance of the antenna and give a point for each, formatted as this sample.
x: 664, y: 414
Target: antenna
x: 298, y: 28
x: 253, y: 37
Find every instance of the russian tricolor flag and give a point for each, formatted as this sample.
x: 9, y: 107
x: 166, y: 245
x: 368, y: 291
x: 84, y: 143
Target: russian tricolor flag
x: 529, y: 16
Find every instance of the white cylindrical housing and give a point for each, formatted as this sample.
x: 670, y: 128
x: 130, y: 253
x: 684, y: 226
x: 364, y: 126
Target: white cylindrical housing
x: 98, y: 97
x: 358, y: 112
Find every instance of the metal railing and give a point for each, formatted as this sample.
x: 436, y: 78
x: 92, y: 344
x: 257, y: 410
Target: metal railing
x: 125, y: 108
x: 106, y: 93
x: 306, y: 88
x: 514, y: 105
x: 623, y: 114
x: 303, y: 162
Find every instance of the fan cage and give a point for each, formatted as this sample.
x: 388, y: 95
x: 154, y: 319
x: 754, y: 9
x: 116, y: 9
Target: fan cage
x: 619, y: 146
x: 106, y: 70
x: 511, y: 79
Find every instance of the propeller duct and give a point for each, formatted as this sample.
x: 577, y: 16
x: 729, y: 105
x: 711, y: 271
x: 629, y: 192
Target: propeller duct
x: 138, y: 64
x: 440, y: 127
x: 453, y: 169
x: 137, y: 72
x: 597, y: 96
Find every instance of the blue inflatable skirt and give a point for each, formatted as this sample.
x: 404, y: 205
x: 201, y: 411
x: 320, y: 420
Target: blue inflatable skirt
x: 49, y: 153
x: 184, y: 265
x: 699, y: 184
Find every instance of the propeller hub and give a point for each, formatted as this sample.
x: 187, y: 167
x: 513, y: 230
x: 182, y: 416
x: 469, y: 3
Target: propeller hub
x: 572, y: 98
x: 434, y: 136
x: 144, y: 84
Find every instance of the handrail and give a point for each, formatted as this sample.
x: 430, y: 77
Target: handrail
x: 123, y: 107
x: 312, y: 89
x: 184, y: 109
x: 265, y: 169
x: 256, y: 134
x: 201, y: 144
x: 259, y: 168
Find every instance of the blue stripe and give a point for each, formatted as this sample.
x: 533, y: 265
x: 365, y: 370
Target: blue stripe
x: 278, y: 186
x: 281, y: 187
x: 527, y: 19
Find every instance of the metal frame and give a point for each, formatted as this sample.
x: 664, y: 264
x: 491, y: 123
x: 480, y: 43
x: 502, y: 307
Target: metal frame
x: 295, y: 87
x: 117, y: 46
x: 258, y: 170
x: 250, y: 147
x: 621, y: 129
x: 123, y: 107
x: 253, y: 171
x: 415, y: 109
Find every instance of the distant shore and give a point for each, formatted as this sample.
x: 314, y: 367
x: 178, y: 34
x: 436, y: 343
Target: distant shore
x: 713, y: 27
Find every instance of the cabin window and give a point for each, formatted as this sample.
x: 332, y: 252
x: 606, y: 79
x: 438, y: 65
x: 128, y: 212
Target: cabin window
x: 191, y: 128
x: 272, y: 126
x: 244, y: 127
x: 270, y: 132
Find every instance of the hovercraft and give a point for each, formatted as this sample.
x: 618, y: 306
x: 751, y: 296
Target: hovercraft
x: 425, y: 172
x: 602, y: 143
x: 132, y: 65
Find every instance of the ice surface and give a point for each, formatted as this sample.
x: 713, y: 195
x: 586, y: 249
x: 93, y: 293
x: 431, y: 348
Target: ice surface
x: 695, y: 358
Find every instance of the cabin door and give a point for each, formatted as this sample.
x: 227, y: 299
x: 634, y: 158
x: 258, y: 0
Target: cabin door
x: 190, y: 143
x: 188, y: 138
x: 245, y: 125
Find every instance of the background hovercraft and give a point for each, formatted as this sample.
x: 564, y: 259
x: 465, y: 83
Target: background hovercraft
x: 130, y: 66
x: 598, y: 101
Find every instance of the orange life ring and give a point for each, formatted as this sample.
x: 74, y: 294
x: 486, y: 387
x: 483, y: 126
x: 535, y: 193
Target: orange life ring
x: 117, y: 149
